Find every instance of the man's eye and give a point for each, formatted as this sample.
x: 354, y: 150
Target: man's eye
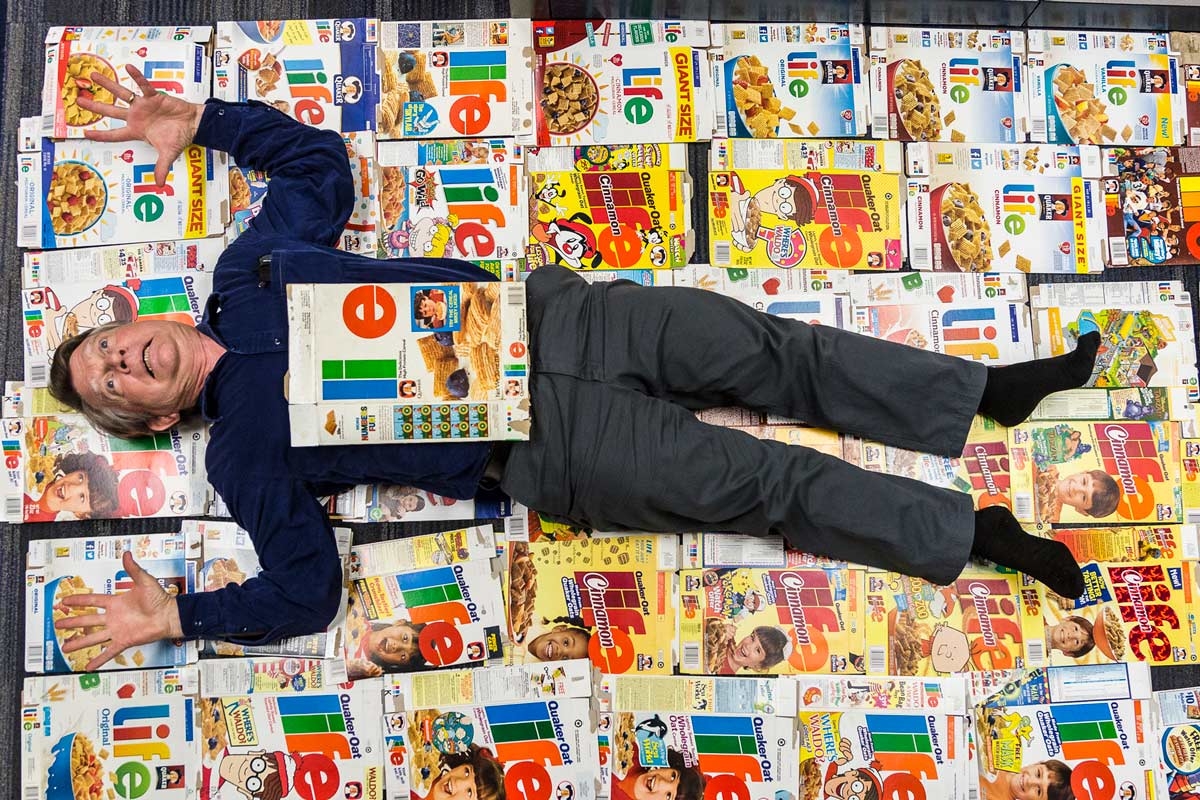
x: 111, y: 385
x: 104, y: 344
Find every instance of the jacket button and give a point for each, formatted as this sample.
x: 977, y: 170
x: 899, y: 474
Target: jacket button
x: 276, y: 341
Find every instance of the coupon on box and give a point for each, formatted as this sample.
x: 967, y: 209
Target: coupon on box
x: 950, y: 85
x: 174, y: 59
x: 1104, y: 88
x: 319, y: 71
x: 455, y: 78
x: 786, y: 81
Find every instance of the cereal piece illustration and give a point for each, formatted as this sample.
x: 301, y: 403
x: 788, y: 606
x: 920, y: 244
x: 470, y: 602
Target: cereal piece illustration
x: 80, y: 67
x: 1082, y: 113
x: 569, y: 98
x: 77, y: 197
x: 916, y: 101
x: 967, y: 233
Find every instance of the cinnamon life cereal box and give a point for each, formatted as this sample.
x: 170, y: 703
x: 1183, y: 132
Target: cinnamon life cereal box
x: 117, y: 262
x: 319, y: 71
x: 988, y: 331
x: 790, y: 80
x: 1089, y: 87
x: 950, y: 85
x: 176, y: 61
x: 455, y: 78
x: 607, y: 158
x: 824, y: 155
x: 1152, y: 202
x: 936, y: 287
x: 1191, y: 89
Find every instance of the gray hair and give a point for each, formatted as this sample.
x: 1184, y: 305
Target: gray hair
x: 119, y: 422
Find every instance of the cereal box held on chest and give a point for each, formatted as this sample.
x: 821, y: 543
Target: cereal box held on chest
x: 455, y: 78
x: 950, y: 85
x: 319, y: 71
x: 790, y: 80
x: 1089, y: 87
x: 1152, y: 199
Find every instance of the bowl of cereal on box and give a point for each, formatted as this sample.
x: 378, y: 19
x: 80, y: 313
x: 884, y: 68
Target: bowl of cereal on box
x: 56, y: 590
x: 1108, y: 635
x: 962, y: 239
x: 76, y: 197
x: 78, y: 76
x: 1077, y: 109
x: 915, y: 101
x: 760, y: 111
x: 570, y: 98
x: 263, y: 31
x: 76, y: 773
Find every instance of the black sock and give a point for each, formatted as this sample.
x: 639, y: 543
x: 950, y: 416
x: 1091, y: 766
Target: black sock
x: 999, y: 538
x: 1014, y: 390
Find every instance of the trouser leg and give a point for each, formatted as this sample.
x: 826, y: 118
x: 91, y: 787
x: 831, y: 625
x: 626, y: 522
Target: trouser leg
x: 700, y: 349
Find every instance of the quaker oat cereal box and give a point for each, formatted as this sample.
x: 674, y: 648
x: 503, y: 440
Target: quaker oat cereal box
x: 610, y: 220
x: 621, y: 82
x: 790, y: 80
x: 825, y: 155
x: 1191, y: 94
x: 174, y: 59
x: 988, y: 331
x: 118, y: 262
x: 269, y: 675
x: 806, y: 218
x: 986, y: 208
x: 1152, y: 199
x: 607, y: 158
x: 1087, y: 87
x: 455, y: 78
x: 65, y: 690
x: 75, y: 193
x: 1131, y: 543
x: 938, y: 288
x: 58, y: 568
x: 476, y: 543
x: 319, y: 71
x: 761, y: 283
x: 950, y: 85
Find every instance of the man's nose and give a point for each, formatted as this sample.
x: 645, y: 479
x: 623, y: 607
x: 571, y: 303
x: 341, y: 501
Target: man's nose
x: 116, y: 357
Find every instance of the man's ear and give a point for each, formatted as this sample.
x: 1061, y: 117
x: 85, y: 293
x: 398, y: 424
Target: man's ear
x: 163, y: 422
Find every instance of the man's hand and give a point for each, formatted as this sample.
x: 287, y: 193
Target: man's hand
x: 144, y: 614
x: 164, y: 121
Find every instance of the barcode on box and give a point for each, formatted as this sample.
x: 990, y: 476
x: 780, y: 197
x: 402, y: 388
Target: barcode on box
x: 1118, y: 251
x: 35, y: 655
x: 514, y: 294
x: 721, y: 254
x: 1023, y: 506
x: 29, y: 235
x: 32, y: 793
x: 1039, y: 130
x: 1035, y: 653
x: 1192, y: 516
x: 879, y: 126
x: 722, y: 125
x: 12, y: 510
x: 689, y: 658
x: 516, y: 528
x: 876, y: 660
x: 37, y: 374
x: 919, y: 257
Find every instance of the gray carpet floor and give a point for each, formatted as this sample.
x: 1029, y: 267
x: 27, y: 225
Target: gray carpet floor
x: 21, y: 39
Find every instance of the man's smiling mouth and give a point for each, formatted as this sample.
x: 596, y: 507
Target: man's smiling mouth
x: 146, y: 358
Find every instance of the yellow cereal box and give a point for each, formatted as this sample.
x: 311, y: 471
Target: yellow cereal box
x: 822, y: 155
x: 1131, y: 543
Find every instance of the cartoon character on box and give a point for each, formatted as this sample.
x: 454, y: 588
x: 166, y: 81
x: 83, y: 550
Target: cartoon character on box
x: 263, y: 773
x: 857, y: 782
x: 570, y: 240
x: 791, y: 199
x: 110, y: 304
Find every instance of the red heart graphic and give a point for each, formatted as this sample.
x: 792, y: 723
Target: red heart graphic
x: 946, y: 294
x: 616, y: 60
x: 771, y: 286
x: 141, y: 51
x: 127, y: 156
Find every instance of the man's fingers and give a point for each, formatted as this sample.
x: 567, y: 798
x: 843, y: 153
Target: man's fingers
x: 118, y: 91
x: 162, y: 168
x: 80, y: 642
x: 106, y: 655
x: 140, y: 79
x: 84, y: 621
x: 121, y: 134
x: 77, y: 600
x: 87, y: 103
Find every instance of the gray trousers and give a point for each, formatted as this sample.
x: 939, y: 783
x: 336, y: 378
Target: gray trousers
x: 618, y: 369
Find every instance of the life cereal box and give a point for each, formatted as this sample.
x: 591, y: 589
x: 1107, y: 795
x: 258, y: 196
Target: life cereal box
x: 1149, y: 403
x: 1089, y: 87
x: 58, y: 568
x: 917, y: 628
x: 394, y: 503
x: 780, y: 621
x: 1127, y: 543
x: 761, y: 283
x: 436, y: 201
x: 100, y: 746
x: 987, y: 331
x: 942, y: 695
x: 1111, y: 293
x: 269, y: 674
x: 455, y: 78
x: 1152, y: 201
x: 609, y: 599
x: 976, y: 208
x: 476, y: 543
x: 808, y: 219
x: 618, y: 81
x: 496, y: 684
x: 790, y: 80
x: 1191, y: 88
x: 1079, y: 471
x: 613, y: 220
x: 117, y: 262
x: 823, y: 155
x: 62, y: 690
x: 319, y: 71
x: 607, y: 158
x: 950, y: 85
x: 176, y: 61
x: 941, y: 288
x: 76, y: 193
x: 322, y: 743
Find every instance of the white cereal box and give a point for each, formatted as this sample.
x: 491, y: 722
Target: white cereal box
x: 790, y: 80
x: 455, y: 78
x: 1104, y: 88
x: 117, y: 262
x: 319, y: 71
x: 176, y: 60
x: 607, y: 158
x: 620, y: 82
x: 78, y: 192
x: 827, y: 155
x: 951, y: 85
x: 980, y: 209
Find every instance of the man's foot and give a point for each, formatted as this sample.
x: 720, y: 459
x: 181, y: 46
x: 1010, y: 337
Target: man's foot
x: 1001, y: 539
x: 1013, y: 391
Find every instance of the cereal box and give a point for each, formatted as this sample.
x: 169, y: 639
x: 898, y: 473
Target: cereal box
x: 986, y: 209
x: 807, y: 219
x: 917, y: 628
x: 62, y: 690
x: 1149, y: 403
x: 950, y: 85
x: 319, y: 71
x: 609, y: 599
x: 118, y: 262
x: 790, y: 80
x: 615, y: 220
x: 991, y: 332
x: 58, y: 568
x: 78, y: 192
x: 779, y: 621
x: 938, y: 288
x: 99, y: 746
x: 476, y: 543
x: 303, y: 745
x: 454, y: 365
x: 1110, y: 293
x: 455, y: 78
x: 1079, y: 471
x: 176, y: 61
x: 759, y: 283
x: 823, y: 155
x: 1191, y: 89
x: 1152, y: 200
x: 1088, y: 87
x: 393, y: 503
x: 829, y: 692
x: 620, y: 82
x: 269, y: 675
x: 496, y: 684
x: 424, y: 619
x: 1129, y: 543
x: 434, y: 201
x: 607, y: 158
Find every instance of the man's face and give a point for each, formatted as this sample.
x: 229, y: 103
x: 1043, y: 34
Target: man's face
x: 749, y: 653
x: 426, y: 307
x: 69, y: 493
x: 656, y: 784
x: 1076, y: 490
x: 1068, y: 637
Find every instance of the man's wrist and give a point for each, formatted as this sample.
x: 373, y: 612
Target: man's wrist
x: 172, y: 620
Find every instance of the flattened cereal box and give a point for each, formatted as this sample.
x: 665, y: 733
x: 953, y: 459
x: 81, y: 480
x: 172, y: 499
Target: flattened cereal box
x: 1133, y: 543
x: 117, y: 262
x: 319, y: 71
x: 794, y: 80
x: 949, y: 85
x: 455, y: 78
x: 1191, y: 89
x: 175, y: 60
x: 63, y: 690
x: 806, y: 219
x: 1088, y: 87
x: 988, y: 209
x: 621, y: 82
x: 269, y: 674
x: 607, y: 158
x: 823, y: 155
x: 477, y: 543
x: 761, y: 284
x: 994, y: 333
x: 936, y: 287
x: 1152, y: 199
